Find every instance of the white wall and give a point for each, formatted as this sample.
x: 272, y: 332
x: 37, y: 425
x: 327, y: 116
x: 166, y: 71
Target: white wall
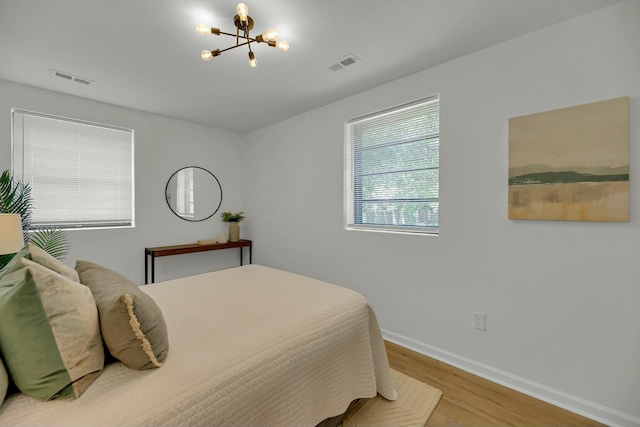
x: 162, y: 146
x: 561, y: 298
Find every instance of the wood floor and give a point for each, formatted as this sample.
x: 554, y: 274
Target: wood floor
x: 469, y: 400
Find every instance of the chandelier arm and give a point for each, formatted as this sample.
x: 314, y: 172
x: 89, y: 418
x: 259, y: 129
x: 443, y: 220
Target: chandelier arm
x: 235, y: 46
x: 246, y: 35
x: 240, y: 36
x: 230, y: 34
x: 245, y: 31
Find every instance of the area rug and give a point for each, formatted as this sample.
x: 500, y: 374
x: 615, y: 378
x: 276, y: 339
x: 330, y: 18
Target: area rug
x: 415, y: 404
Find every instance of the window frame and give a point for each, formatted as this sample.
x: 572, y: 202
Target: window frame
x: 351, y: 156
x: 80, y: 225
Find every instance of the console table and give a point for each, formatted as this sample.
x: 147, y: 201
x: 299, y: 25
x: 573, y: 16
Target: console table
x: 190, y: 248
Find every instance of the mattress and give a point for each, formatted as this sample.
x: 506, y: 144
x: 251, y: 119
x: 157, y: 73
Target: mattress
x: 248, y: 346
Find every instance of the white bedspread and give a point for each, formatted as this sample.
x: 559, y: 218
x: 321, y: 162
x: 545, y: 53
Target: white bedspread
x: 249, y: 346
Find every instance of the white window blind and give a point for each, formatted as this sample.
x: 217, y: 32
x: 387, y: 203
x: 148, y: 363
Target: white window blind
x: 81, y: 173
x: 392, y: 169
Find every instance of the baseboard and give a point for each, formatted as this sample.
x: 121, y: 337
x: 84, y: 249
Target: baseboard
x: 595, y: 411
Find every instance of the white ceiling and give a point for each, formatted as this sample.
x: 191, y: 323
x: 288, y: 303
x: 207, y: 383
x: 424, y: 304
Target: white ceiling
x: 145, y: 54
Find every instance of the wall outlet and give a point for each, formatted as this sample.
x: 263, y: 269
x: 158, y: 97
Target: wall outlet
x: 479, y: 321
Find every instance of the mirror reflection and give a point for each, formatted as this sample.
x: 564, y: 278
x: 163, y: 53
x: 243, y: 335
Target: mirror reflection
x: 193, y: 193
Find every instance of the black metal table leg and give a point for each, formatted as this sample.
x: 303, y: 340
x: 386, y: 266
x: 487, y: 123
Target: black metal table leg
x: 153, y: 268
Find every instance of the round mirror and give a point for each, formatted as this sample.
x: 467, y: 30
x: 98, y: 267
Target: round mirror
x: 193, y: 193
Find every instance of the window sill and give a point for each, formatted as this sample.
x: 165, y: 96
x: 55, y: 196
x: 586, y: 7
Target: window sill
x: 433, y: 232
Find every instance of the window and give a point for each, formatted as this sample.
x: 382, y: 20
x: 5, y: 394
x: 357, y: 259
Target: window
x: 184, y: 188
x: 81, y: 173
x: 392, y: 169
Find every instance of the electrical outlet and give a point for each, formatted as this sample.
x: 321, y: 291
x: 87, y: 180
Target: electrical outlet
x: 479, y: 321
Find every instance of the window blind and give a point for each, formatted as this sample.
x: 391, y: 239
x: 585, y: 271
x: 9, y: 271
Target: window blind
x: 393, y: 162
x: 81, y: 173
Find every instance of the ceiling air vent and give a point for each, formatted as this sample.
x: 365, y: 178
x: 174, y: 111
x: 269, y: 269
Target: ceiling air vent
x: 72, y: 78
x: 342, y: 63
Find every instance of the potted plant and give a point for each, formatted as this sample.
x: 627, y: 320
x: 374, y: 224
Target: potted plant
x: 233, y: 219
x: 15, y: 198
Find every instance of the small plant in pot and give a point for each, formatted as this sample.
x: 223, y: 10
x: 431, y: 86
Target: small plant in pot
x: 233, y: 219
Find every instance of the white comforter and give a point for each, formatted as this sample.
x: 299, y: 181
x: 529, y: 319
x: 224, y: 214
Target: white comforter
x: 249, y: 346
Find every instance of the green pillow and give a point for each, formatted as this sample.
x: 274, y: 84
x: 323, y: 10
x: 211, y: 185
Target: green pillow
x: 49, y: 332
x: 132, y: 324
x: 38, y: 255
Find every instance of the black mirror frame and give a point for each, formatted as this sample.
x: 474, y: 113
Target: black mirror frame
x: 166, y: 188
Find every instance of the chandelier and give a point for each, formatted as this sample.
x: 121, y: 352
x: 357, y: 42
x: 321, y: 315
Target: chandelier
x: 244, y: 24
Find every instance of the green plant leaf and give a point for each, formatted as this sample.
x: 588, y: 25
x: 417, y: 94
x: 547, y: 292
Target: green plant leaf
x: 4, y: 260
x: 15, y: 198
x: 232, y: 217
x: 54, y: 241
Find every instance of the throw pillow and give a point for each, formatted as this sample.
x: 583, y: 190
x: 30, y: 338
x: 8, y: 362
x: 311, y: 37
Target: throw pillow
x: 133, y: 328
x: 38, y: 255
x: 49, y: 332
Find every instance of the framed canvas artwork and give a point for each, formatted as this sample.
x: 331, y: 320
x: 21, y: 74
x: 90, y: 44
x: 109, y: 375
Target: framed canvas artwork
x: 571, y: 164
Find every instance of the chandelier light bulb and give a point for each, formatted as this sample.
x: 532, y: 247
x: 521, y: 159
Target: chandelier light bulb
x: 206, y: 55
x: 243, y: 11
x: 271, y: 34
x: 252, y: 60
x: 283, y: 45
x: 203, y: 29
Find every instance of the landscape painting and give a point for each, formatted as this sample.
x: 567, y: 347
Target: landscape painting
x: 571, y: 164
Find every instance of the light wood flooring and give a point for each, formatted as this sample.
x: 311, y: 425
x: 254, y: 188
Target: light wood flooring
x: 469, y: 400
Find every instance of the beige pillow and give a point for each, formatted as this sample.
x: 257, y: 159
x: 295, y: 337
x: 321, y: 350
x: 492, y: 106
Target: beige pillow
x: 38, y: 255
x: 49, y: 332
x: 132, y: 324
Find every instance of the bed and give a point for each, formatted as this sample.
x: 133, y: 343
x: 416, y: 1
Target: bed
x: 248, y: 346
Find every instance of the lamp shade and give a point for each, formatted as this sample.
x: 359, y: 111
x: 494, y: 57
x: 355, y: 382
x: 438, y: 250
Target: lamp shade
x: 11, y: 240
